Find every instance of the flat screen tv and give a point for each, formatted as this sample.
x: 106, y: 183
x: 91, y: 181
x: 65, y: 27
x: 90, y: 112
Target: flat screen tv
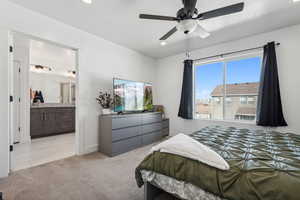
x: 132, y: 96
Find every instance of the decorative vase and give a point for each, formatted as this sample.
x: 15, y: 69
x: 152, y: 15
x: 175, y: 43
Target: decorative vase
x: 106, y: 111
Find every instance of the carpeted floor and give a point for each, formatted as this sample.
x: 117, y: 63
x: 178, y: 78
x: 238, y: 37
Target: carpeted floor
x: 91, y: 177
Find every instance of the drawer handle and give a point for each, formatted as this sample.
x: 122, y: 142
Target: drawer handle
x: 43, y: 116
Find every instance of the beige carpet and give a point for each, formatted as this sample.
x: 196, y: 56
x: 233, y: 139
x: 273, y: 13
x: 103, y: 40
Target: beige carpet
x: 91, y: 177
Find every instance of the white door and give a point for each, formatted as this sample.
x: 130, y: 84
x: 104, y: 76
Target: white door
x: 17, y: 101
x: 5, y: 65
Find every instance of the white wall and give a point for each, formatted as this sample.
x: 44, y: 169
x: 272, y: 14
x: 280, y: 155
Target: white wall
x: 170, y: 73
x: 59, y: 59
x: 99, y: 61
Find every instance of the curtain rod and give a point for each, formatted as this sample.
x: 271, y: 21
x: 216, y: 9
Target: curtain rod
x: 232, y: 52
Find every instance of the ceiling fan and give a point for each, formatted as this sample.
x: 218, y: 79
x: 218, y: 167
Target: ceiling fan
x: 188, y: 18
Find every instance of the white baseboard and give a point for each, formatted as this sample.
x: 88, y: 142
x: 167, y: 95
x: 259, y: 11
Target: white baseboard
x: 25, y: 140
x: 91, y: 149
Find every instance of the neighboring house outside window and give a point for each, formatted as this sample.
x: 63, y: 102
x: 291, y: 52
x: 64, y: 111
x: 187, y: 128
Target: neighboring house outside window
x: 243, y: 101
x: 204, y: 110
x: 228, y: 100
x: 217, y: 100
x: 235, y: 100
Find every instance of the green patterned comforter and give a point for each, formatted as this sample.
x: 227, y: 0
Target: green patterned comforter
x: 263, y: 165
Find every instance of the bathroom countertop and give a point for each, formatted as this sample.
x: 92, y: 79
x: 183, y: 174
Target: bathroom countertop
x: 52, y: 105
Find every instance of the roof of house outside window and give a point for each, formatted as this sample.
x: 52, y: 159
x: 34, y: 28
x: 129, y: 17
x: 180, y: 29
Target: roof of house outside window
x: 202, y: 108
x: 237, y: 89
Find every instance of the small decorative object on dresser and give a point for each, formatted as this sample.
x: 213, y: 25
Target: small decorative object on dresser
x: 106, y: 101
x: 161, y: 109
x: 165, y: 121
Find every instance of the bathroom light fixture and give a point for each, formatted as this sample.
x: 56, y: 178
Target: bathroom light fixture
x: 87, y: 1
x: 40, y: 69
x: 71, y: 73
x: 163, y: 43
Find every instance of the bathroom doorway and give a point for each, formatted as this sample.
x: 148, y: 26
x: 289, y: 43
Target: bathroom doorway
x: 44, y: 109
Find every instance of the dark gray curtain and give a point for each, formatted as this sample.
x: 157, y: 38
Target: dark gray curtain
x: 269, y: 108
x: 186, y: 103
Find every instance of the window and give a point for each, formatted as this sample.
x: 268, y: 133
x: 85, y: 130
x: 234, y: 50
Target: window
x: 248, y: 100
x: 227, y: 89
x: 251, y: 100
x: 243, y: 100
x: 217, y: 100
x: 209, y: 78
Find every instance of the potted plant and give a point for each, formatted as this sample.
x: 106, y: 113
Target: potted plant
x: 106, y: 101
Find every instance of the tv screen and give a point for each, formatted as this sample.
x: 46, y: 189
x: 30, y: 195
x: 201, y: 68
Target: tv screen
x: 130, y: 96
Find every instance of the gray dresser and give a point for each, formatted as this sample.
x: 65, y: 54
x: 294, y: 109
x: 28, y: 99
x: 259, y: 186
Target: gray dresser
x: 123, y: 133
x: 166, y: 127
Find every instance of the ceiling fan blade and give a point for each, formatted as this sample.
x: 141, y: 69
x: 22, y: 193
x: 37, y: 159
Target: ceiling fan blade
x: 222, y: 11
x: 158, y: 17
x: 171, y: 32
x: 201, y: 32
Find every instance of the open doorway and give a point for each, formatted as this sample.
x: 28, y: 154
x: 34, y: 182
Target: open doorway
x: 43, y: 111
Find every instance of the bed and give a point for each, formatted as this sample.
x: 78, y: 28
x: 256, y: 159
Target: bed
x: 263, y: 165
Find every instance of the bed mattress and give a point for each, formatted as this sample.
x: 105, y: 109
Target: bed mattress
x: 263, y: 165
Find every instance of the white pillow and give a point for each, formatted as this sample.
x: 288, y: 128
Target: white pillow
x: 186, y: 146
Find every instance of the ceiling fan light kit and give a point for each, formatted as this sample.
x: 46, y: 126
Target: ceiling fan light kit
x: 201, y: 32
x: 187, y: 26
x: 188, y: 18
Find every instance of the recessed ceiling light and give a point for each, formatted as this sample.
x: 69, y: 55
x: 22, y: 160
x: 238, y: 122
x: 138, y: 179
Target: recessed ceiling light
x: 296, y: 0
x: 87, y: 1
x: 163, y: 43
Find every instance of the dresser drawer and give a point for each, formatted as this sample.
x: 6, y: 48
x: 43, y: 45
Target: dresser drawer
x: 124, y: 133
x: 124, y: 122
x: 151, y: 137
x: 165, y: 123
x: 152, y: 118
x: 126, y: 145
x: 151, y: 128
x: 166, y: 132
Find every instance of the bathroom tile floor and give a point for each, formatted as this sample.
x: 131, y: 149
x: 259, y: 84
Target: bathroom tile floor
x: 43, y: 150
